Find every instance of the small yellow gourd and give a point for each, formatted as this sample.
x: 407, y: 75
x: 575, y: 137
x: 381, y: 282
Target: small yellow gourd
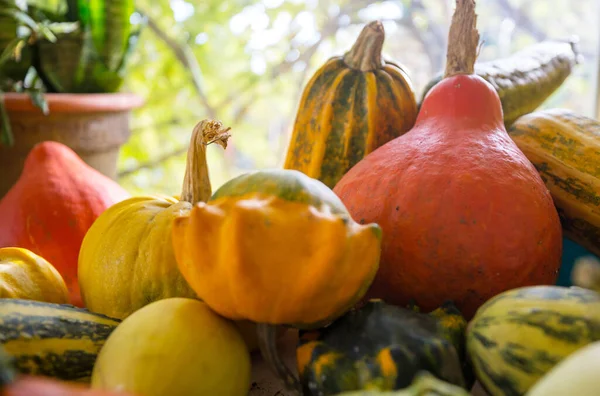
x: 175, y: 346
x: 126, y: 259
x: 25, y: 275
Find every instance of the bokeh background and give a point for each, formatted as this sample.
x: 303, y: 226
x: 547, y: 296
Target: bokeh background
x: 245, y: 62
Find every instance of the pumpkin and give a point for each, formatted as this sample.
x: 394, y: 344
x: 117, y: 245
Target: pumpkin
x: 379, y: 346
x: 577, y: 374
x: 52, y: 340
x: 53, y: 204
x: 278, y: 248
x: 565, y: 149
x: 12, y: 384
x: 352, y: 105
x: 520, y: 335
x: 175, y: 346
x: 26, y: 275
x: 464, y: 213
x: 126, y: 258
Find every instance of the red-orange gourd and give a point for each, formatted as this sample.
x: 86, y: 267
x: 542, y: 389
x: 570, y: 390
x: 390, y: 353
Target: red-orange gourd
x: 464, y: 214
x: 52, y: 205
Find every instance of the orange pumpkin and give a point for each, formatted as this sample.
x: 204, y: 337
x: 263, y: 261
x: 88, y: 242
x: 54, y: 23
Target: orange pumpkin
x: 278, y: 248
x: 53, y: 204
x: 464, y: 213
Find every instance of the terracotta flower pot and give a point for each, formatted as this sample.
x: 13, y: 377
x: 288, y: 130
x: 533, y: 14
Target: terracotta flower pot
x: 95, y: 126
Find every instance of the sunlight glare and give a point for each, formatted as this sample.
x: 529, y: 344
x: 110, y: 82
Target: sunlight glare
x: 383, y: 10
x: 182, y: 10
x: 272, y: 3
x: 201, y: 38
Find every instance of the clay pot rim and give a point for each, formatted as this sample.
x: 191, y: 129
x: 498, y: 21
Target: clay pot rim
x: 75, y: 103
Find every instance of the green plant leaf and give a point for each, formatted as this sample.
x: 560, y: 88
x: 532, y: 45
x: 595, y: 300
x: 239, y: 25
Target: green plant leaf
x: 38, y: 99
x: 6, y: 136
x: 12, y: 50
x: 22, y: 17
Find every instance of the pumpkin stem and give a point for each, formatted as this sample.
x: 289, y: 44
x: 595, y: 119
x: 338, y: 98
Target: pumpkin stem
x: 463, y: 40
x: 586, y: 273
x: 365, y: 54
x: 267, y: 341
x: 196, y: 182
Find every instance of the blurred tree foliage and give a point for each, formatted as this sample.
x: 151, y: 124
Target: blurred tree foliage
x: 245, y: 62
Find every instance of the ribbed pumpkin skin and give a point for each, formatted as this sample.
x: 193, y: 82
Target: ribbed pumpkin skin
x: 53, y: 340
x: 294, y: 253
x: 565, y: 149
x: 519, y: 335
x: 345, y: 113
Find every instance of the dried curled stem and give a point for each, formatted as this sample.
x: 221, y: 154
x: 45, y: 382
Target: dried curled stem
x: 196, y: 182
x: 463, y: 40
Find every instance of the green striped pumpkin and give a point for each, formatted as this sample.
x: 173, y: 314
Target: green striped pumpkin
x: 352, y: 105
x: 518, y: 336
x: 53, y: 340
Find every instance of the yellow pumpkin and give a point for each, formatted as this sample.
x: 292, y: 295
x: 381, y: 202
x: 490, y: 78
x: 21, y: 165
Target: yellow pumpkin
x: 126, y: 259
x: 176, y: 346
x: 278, y: 248
x: 25, y: 275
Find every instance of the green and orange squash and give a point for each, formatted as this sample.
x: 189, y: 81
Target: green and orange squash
x: 565, y: 149
x: 353, y: 104
x: 381, y: 346
x: 294, y: 255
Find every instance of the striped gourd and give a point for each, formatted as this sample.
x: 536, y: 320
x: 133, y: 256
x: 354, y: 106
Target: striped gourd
x: 519, y: 335
x: 54, y: 340
x: 352, y: 105
x: 565, y: 149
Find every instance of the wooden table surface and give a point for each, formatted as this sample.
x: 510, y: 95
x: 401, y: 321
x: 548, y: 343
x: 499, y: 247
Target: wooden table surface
x: 265, y: 383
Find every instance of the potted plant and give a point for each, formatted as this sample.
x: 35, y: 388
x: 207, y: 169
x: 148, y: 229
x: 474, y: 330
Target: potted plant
x: 62, y: 63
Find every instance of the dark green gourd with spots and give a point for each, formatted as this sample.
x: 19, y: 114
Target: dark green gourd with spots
x: 381, y: 346
x: 53, y: 340
x: 352, y: 105
x: 519, y: 335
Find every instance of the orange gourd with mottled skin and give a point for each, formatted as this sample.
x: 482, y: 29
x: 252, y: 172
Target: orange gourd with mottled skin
x: 53, y: 204
x: 464, y: 214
